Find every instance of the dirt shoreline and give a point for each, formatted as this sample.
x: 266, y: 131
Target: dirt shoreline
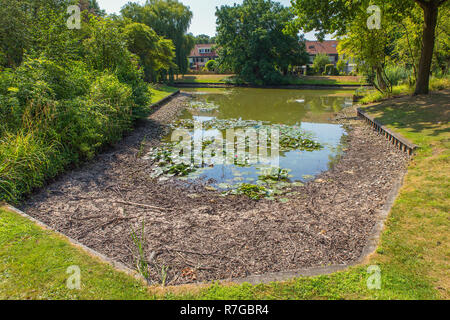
x: 201, y: 236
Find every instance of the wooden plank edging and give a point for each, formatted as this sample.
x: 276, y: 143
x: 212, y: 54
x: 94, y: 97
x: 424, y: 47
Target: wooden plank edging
x: 400, y: 142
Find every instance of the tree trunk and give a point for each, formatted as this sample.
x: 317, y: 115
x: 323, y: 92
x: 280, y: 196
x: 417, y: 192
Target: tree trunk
x: 430, y: 10
x: 380, y: 78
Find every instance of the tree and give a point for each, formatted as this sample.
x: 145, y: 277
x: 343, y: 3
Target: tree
x: 252, y: 43
x: 320, y: 61
x: 155, y: 53
x: 430, y: 11
x: 204, y: 39
x: 170, y: 19
x: 335, y: 17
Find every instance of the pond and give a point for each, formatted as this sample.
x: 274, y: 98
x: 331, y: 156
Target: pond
x: 304, y: 116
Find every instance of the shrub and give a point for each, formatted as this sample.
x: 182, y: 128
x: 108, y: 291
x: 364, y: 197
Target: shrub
x: 330, y: 70
x: 211, y: 65
x: 398, y: 75
x: 320, y: 61
x: 26, y: 161
x: 340, y: 65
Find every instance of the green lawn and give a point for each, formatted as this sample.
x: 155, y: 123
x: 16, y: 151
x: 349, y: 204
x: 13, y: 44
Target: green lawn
x: 159, y: 92
x: 204, y: 78
x: 413, y: 256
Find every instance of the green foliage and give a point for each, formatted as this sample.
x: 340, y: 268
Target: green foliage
x: 245, y: 32
x: 400, y: 37
x: 170, y: 19
x: 211, y: 65
x: 330, y: 70
x: 73, y: 92
x: 340, y: 65
x: 204, y: 39
x: 320, y: 61
x: 156, y: 53
x: 252, y: 191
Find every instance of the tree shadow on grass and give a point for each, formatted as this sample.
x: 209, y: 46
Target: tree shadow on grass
x: 416, y: 113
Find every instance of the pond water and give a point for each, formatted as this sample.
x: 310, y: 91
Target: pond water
x: 305, y: 111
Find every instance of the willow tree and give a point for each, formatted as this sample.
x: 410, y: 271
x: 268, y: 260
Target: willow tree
x: 168, y: 18
x: 334, y: 17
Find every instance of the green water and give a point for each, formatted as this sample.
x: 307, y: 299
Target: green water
x: 310, y: 110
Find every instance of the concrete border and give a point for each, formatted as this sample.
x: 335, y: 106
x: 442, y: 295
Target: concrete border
x: 368, y: 250
x: 370, y: 247
x: 115, y: 264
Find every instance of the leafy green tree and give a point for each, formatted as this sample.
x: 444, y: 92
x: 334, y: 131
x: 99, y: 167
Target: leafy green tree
x: 336, y: 16
x: 170, y: 19
x: 320, y: 61
x: 204, y: 39
x: 156, y: 53
x: 253, y: 43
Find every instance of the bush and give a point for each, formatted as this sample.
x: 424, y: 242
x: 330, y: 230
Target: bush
x: 340, y: 65
x: 398, y: 75
x: 330, y: 70
x: 211, y: 65
x: 320, y: 61
x: 26, y: 161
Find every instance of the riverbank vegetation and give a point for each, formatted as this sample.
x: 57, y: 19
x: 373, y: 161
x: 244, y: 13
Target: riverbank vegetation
x: 67, y: 93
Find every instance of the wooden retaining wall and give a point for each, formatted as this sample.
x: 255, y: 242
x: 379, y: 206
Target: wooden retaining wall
x: 392, y: 137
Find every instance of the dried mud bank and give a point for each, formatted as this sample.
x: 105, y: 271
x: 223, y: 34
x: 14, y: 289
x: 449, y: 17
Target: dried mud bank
x: 198, y: 235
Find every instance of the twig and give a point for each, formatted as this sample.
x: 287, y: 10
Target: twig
x: 141, y: 205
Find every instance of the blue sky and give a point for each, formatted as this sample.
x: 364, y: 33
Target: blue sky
x: 204, y: 20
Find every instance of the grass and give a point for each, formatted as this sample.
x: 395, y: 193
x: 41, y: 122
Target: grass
x: 326, y: 80
x: 307, y: 80
x: 159, y: 92
x: 33, y: 265
x: 413, y: 255
x: 376, y: 96
x: 204, y: 78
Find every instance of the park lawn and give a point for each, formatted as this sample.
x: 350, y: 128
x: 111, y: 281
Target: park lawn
x: 160, y: 91
x: 204, y: 78
x: 326, y: 80
x: 34, y: 261
x: 413, y: 255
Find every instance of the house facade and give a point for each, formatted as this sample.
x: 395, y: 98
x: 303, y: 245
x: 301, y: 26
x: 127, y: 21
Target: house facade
x: 328, y: 47
x: 200, y: 55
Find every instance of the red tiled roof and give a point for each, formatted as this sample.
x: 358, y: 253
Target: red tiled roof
x: 327, y: 47
x: 195, y: 52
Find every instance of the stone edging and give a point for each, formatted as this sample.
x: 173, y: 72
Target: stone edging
x: 369, y: 249
x: 115, y: 264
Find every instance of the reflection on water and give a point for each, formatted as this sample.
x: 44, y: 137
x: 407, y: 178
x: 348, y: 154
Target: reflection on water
x: 309, y: 109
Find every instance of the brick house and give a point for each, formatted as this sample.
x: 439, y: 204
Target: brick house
x: 329, y: 47
x: 200, y: 55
